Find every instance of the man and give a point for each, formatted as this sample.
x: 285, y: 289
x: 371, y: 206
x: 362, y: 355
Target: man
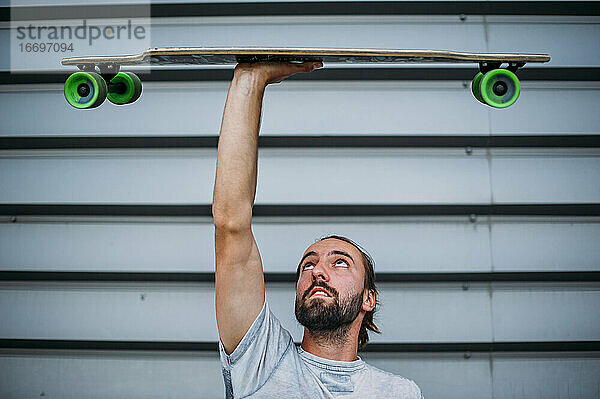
x: 335, y: 291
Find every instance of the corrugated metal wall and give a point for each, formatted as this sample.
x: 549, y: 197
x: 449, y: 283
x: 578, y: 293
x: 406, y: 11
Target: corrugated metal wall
x: 484, y: 224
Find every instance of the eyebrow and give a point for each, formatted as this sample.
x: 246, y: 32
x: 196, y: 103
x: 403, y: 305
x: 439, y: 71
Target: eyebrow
x: 306, y: 255
x: 341, y: 253
x: 334, y: 252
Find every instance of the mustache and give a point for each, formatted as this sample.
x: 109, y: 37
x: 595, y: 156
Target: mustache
x: 321, y: 284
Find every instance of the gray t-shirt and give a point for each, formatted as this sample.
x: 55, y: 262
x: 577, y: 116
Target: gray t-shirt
x: 267, y: 364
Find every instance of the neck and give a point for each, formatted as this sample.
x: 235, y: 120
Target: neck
x: 340, y: 344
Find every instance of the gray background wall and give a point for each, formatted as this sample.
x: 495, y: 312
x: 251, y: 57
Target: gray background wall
x: 484, y: 224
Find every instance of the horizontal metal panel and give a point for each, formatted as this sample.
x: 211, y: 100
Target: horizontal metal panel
x: 546, y: 312
x: 538, y: 244
x: 138, y: 245
x: 109, y: 312
x: 189, y: 246
x: 404, y: 176
x: 110, y: 375
x: 100, y: 374
x: 431, y: 312
x: 333, y: 108
x: 286, y: 176
x: 428, y: 313
x: 440, y: 375
x: 569, y: 44
x: 543, y: 176
x: 543, y: 110
x: 328, y: 108
x: 108, y: 247
x: 550, y: 375
x: 556, y: 376
x: 185, y: 312
x: 562, y: 37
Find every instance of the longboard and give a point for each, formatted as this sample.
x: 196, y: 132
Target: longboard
x: 100, y: 77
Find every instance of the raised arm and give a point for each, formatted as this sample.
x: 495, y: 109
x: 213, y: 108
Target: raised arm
x: 239, y: 280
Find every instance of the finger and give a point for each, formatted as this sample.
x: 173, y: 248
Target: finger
x: 311, y: 66
x: 281, y: 71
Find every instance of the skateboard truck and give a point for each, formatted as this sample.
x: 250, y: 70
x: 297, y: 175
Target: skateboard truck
x: 95, y: 83
x: 108, y: 72
x: 485, y: 67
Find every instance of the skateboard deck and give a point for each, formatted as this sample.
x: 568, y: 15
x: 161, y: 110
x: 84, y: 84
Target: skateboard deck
x: 234, y: 55
x: 494, y: 86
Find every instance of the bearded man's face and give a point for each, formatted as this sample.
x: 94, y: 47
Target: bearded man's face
x: 329, y: 293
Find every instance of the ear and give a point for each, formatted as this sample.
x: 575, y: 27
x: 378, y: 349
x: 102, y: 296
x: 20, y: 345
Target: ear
x: 369, y: 300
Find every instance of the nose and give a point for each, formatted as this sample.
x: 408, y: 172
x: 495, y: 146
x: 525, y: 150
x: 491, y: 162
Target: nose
x: 320, y: 272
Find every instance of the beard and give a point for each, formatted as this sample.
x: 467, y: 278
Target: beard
x: 328, y: 322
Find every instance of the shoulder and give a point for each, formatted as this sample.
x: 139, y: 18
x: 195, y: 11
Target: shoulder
x: 266, y: 335
x: 396, y: 385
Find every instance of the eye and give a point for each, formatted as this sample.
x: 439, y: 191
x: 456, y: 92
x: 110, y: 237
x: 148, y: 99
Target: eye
x: 308, y: 266
x: 341, y: 262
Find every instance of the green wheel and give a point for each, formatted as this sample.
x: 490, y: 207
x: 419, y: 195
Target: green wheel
x: 124, y: 88
x: 476, y: 89
x: 500, y: 88
x: 85, y: 90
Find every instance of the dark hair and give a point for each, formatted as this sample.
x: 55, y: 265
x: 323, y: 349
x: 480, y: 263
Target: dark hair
x: 368, y: 263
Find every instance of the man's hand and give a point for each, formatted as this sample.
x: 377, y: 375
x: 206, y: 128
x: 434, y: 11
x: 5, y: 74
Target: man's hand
x: 274, y: 72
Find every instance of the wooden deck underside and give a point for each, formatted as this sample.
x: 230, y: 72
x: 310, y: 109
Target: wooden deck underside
x: 234, y: 55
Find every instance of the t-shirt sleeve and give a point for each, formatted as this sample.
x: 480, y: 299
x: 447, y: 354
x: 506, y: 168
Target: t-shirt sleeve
x: 256, y: 357
x: 412, y: 390
x: 418, y: 393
